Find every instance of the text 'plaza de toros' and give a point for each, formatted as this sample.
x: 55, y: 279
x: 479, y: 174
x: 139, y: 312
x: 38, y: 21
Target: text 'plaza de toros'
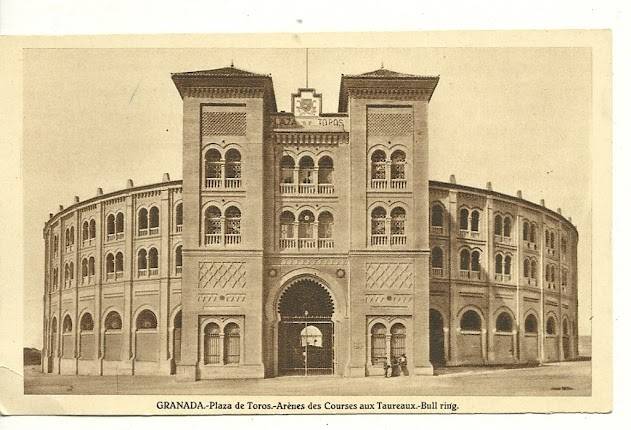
x: 305, y: 243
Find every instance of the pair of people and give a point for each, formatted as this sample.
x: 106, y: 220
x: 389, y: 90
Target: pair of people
x: 398, y: 366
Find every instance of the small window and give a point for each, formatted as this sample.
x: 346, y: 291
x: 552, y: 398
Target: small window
x: 551, y: 326
x: 67, y: 326
x: 87, y: 323
x: 504, y: 323
x: 437, y: 257
x: 437, y: 216
x: 464, y: 219
x: 470, y: 321
x: 507, y: 227
x: 232, y: 344
x: 475, y: 221
x: 530, y: 325
x: 146, y: 320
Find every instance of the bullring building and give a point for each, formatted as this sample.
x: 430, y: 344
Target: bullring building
x: 305, y: 243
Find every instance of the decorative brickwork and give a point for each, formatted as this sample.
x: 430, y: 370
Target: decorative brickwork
x: 394, y: 276
x: 222, y: 275
x: 223, y: 123
x: 390, y: 124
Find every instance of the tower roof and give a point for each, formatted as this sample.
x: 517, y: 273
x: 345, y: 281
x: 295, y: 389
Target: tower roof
x: 226, y: 78
x: 385, y: 84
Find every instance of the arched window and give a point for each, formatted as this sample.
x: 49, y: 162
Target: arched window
x: 547, y: 272
x: 92, y: 229
x: 498, y: 263
x: 547, y: 238
x: 475, y: 220
x: 470, y: 321
x: 530, y: 324
x: 179, y: 217
x: 143, y: 221
x: 146, y: 320
x: 84, y: 268
x: 526, y: 268
x: 498, y: 225
x: 211, y: 344
x: 508, y: 226
x: 233, y: 225
x: 87, y: 323
x: 154, y: 220
x: 287, y: 169
x: 72, y: 235
x: 67, y: 325
x: 526, y: 231
x: 397, y: 340
x: 287, y: 220
x: 504, y: 323
x: 111, y: 223
x: 378, y: 226
x: 566, y: 328
x: 85, y: 231
x: 213, y: 167
x: 71, y: 271
x: 153, y: 261
x: 437, y: 216
x: 67, y: 237
x: 53, y: 334
x: 398, y: 221
x: 91, y: 266
x: 552, y: 240
x: 178, y: 259
x: 465, y: 259
x: 142, y: 262
x: 113, y: 321
x: 551, y: 326
x: 305, y: 225
x: 552, y: 273
x: 233, y: 164
x: 213, y: 225
x: 109, y: 263
x: 325, y: 170
x: 533, y: 269
x: 120, y: 225
x: 464, y: 219
x: 305, y: 170
x: 397, y: 169
x: 533, y: 233
x: 119, y: 262
x: 378, y: 169
x: 232, y: 344
x: 56, y: 244
x: 437, y: 257
x: 475, y: 261
x: 66, y: 273
x: 325, y: 225
x: 507, y: 264
x: 378, y: 343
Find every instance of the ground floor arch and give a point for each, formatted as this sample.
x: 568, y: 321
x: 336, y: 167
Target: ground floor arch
x: 306, y: 329
x: 436, y: 338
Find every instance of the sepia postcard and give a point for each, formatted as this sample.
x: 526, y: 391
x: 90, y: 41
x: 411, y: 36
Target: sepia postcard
x: 307, y: 224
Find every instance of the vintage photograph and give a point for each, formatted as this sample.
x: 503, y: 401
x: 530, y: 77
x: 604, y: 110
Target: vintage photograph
x: 401, y: 221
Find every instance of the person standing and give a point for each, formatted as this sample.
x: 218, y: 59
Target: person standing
x: 386, y: 367
x: 403, y: 363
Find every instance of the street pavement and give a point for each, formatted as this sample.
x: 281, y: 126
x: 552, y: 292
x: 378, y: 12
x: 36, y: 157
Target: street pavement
x: 552, y: 379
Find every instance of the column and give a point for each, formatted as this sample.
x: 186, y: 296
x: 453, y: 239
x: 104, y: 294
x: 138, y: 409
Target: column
x: 518, y: 272
x: 451, y: 355
x: 130, y: 209
x: 541, y: 267
x: 166, y: 271
x: 490, y: 281
x: 98, y: 278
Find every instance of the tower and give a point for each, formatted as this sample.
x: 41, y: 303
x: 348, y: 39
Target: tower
x: 225, y: 115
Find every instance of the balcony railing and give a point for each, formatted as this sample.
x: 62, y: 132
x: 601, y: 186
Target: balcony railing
x: 153, y: 271
x: 287, y: 188
x: 233, y: 183
x: 378, y: 239
x: 503, y: 239
x: 325, y: 243
x: 287, y: 243
x: 178, y: 228
x: 110, y: 276
x: 326, y: 188
x: 143, y: 231
x: 399, y: 184
x: 436, y: 229
x: 532, y: 282
x: 213, y: 182
x: 379, y: 184
x: 551, y: 285
x: 530, y: 245
x: 398, y: 239
x: 154, y: 230
x: 550, y: 251
x: 142, y: 273
x: 437, y: 272
x: 120, y: 235
x: 178, y: 270
x: 306, y: 188
x: 212, y: 239
x: 500, y: 277
x: 470, y: 274
x: 306, y: 243
x: 233, y: 239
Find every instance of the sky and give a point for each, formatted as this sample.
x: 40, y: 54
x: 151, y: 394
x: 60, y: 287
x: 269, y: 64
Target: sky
x: 518, y: 117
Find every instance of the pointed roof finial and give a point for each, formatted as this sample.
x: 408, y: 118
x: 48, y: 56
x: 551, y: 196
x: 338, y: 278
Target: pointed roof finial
x: 232, y: 63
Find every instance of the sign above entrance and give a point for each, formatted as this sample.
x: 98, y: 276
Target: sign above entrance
x: 306, y: 106
x: 306, y: 103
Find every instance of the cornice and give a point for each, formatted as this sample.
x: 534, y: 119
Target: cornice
x: 223, y: 92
